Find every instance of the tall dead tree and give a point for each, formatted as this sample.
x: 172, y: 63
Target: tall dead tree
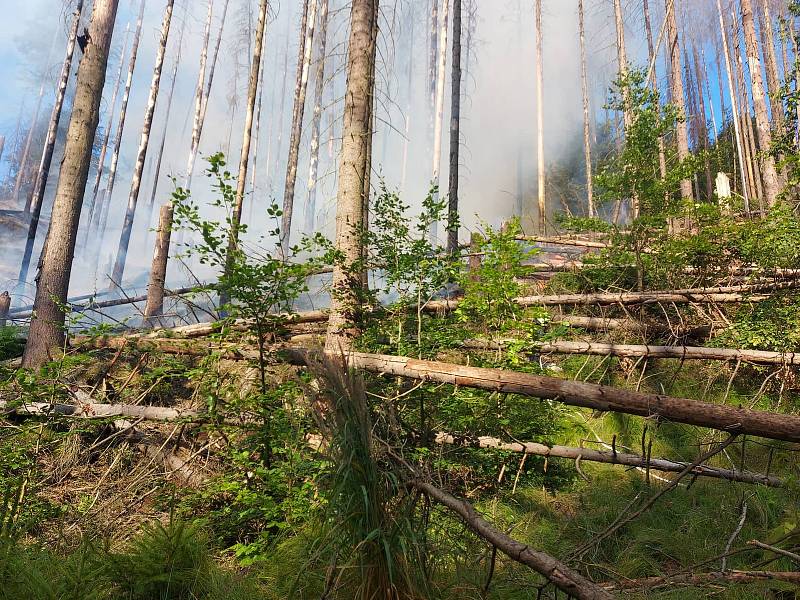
x: 702, y: 122
x: 455, y: 137
x: 46, y: 333
x: 542, y: 204
x: 37, y: 194
x: 771, y: 64
x: 651, y: 58
x: 101, y: 212
x: 316, y: 122
x: 101, y: 161
x: 771, y: 182
x: 750, y: 151
x: 199, y: 95
x: 254, y: 170
x: 141, y: 154
x: 305, y: 53
x: 676, y: 85
x: 350, y: 199
x: 587, y: 145
x: 252, y: 91
x: 438, y: 117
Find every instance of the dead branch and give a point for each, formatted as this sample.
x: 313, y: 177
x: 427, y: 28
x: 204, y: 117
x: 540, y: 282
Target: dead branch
x: 564, y: 578
x: 613, y: 458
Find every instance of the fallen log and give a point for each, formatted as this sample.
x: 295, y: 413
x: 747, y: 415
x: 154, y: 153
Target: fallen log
x: 761, y: 357
x: 559, y: 574
x: 722, y: 417
x: 561, y: 241
x: 83, y: 410
x: 612, y: 458
x: 696, y: 579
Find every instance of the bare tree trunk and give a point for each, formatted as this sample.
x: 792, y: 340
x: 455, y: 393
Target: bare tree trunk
x: 455, y: 137
x: 771, y: 183
x: 158, y: 272
x: 162, y: 144
x: 438, y: 117
x: 22, y: 168
x: 105, y: 200
x: 433, y: 54
x: 409, y: 103
x: 47, y: 324
x: 651, y: 51
x: 319, y: 88
x: 676, y: 84
x: 37, y: 194
x: 542, y: 202
x: 734, y: 108
x: 352, y: 172
x: 282, y: 109
x: 747, y: 121
x: 301, y: 86
x: 199, y: 95
x: 141, y: 154
x: 244, y: 158
x: 254, y: 170
x: 101, y: 161
x: 587, y: 145
x: 703, y: 123
x: 2, y: 146
x: 771, y: 64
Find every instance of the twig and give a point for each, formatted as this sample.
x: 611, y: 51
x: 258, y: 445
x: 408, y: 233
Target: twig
x: 791, y: 555
x: 734, y: 535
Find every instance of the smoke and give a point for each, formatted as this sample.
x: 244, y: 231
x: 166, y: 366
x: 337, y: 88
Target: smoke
x: 498, y: 130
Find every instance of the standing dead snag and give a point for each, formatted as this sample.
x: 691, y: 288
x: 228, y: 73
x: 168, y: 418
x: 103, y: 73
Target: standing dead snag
x: 559, y: 574
x: 37, y: 194
x: 136, y: 183
x: 301, y: 86
x: 319, y: 88
x: 47, y: 325
x: 771, y: 185
x: 158, y: 272
x: 455, y: 126
x: 587, y: 145
x: 352, y: 173
x: 197, y: 124
x: 252, y: 92
x: 438, y: 116
x: 676, y: 86
x: 5, y: 306
x: 540, y: 122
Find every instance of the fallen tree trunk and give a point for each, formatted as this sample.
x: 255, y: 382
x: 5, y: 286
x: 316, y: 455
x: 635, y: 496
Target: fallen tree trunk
x: 612, y: 458
x: 704, y: 579
x: 560, y: 241
x: 612, y: 324
x: 722, y: 417
x: 761, y: 357
x: 563, y: 577
x: 83, y: 410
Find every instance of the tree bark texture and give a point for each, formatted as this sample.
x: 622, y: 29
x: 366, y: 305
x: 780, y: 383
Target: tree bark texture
x: 158, y: 272
x: 37, y: 194
x: 345, y: 290
x: 455, y: 135
x: 47, y: 326
x: 676, y: 85
x: 306, y: 47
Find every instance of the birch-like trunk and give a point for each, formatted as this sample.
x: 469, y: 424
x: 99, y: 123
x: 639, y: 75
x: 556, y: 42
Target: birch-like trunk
x: 316, y: 123
x: 141, y: 154
x: 301, y: 87
x: 587, y: 145
x: 101, y: 161
x: 676, y: 84
x: 767, y: 162
x: 542, y: 203
x: 162, y: 144
x: 441, y: 67
x: 105, y: 201
x: 199, y: 95
x: 252, y: 91
x: 455, y: 137
x: 46, y: 335
x: 37, y: 194
x: 350, y: 200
